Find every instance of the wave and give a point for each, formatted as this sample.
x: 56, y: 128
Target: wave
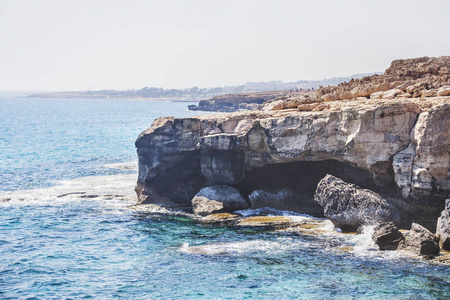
x: 109, y: 187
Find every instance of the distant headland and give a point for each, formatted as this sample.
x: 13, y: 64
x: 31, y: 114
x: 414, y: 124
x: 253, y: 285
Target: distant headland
x: 196, y: 93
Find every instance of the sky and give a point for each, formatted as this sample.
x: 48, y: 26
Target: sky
x: 114, y: 44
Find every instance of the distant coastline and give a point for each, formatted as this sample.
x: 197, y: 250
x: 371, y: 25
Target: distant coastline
x: 195, y: 93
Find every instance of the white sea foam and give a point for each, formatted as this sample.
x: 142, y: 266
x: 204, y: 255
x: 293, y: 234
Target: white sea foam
x: 268, y: 211
x: 237, y: 248
x: 111, y: 187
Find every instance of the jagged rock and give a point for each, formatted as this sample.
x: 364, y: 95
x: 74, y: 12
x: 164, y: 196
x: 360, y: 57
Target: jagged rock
x: 421, y: 241
x: 429, y: 93
x: 443, y: 227
x: 278, y: 200
x: 387, y: 236
x: 408, y: 75
x: 217, y: 199
x: 389, y: 94
x: 349, y: 206
x: 234, y: 102
x: 443, y: 91
x: 306, y: 107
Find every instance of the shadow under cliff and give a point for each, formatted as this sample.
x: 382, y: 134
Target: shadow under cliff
x: 302, y: 178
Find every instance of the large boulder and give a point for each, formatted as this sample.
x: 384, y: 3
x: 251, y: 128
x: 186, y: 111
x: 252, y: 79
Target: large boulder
x: 348, y: 206
x: 443, y: 227
x: 217, y: 199
x: 421, y: 241
x: 387, y: 236
x: 281, y: 199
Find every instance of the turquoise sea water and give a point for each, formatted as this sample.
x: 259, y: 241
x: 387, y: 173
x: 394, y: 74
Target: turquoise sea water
x: 64, y: 235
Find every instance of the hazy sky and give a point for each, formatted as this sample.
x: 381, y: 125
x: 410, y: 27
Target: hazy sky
x: 112, y: 44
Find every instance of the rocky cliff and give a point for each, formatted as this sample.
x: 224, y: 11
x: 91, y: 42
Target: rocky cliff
x: 235, y: 102
x: 395, y: 146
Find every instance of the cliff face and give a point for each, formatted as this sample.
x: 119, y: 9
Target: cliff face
x: 396, y: 146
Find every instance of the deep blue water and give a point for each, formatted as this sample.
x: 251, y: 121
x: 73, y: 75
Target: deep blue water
x: 42, y: 140
x: 58, y: 246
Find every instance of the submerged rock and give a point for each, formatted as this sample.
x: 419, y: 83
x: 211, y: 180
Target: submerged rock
x: 387, y: 236
x: 443, y: 227
x: 217, y: 199
x: 348, y: 206
x: 421, y: 241
x: 266, y: 221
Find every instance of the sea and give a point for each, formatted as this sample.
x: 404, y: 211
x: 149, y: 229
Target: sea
x: 69, y: 230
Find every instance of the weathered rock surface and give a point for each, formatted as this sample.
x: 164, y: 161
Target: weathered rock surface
x: 234, y: 102
x: 419, y: 77
x: 387, y: 236
x: 217, y: 199
x: 349, y: 206
x: 443, y: 227
x: 396, y: 147
x: 421, y: 241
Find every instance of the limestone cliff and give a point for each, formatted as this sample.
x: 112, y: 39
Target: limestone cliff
x: 396, y: 147
x: 235, y: 102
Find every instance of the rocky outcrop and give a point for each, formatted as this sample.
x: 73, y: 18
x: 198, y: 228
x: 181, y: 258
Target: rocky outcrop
x: 421, y: 241
x: 398, y: 148
x: 217, y: 199
x: 348, y: 206
x: 387, y: 236
x: 443, y: 227
x: 417, y: 77
x: 234, y: 102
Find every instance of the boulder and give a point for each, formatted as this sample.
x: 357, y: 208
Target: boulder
x: 444, y: 91
x: 348, y: 206
x: 429, y: 93
x: 278, y: 200
x: 443, y: 227
x: 387, y: 236
x: 421, y: 241
x: 217, y: 199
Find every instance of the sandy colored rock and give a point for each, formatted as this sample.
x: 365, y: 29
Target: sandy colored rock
x: 407, y: 75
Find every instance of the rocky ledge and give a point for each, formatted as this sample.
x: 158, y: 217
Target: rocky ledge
x: 394, y: 149
x: 242, y: 101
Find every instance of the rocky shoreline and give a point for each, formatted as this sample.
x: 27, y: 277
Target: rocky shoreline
x: 367, y: 152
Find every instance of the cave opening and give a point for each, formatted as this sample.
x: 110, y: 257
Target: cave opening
x: 301, y: 178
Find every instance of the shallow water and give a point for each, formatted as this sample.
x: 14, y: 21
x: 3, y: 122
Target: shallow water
x: 80, y: 237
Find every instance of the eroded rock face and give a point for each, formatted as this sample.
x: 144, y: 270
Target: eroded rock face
x: 217, y: 199
x: 348, y: 206
x: 443, y: 227
x: 402, y: 146
x: 387, y: 236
